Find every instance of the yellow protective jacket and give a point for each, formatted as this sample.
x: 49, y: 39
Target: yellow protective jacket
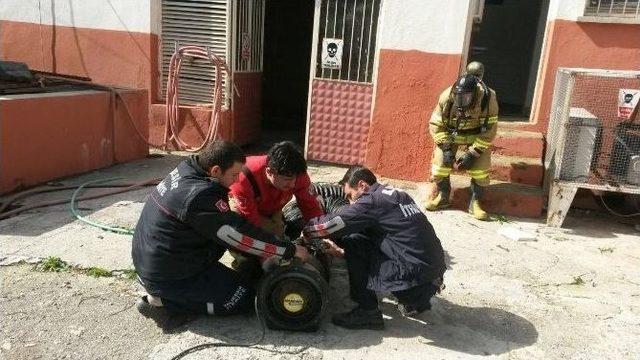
x: 469, y: 132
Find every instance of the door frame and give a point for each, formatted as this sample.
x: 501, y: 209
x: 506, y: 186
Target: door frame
x: 313, y: 65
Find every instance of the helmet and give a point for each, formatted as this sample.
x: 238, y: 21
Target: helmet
x: 464, y: 91
x: 476, y: 68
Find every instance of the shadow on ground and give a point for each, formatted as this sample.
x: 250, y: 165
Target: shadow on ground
x: 469, y: 330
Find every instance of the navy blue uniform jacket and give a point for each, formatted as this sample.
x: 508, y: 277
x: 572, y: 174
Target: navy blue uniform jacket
x: 186, y: 224
x: 410, y: 252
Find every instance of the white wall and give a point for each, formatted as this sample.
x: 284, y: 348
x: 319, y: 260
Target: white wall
x: 566, y: 9
x: 433, y: 26
x: 123, y: 15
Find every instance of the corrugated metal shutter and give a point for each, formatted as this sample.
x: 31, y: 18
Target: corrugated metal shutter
x: 194, y: 22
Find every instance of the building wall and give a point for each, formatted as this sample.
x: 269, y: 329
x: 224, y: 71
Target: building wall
x: 570, y: 42
x: 417, y: 61
x: 422, y: 57
x: 113, y: 42
x: 53, y: 129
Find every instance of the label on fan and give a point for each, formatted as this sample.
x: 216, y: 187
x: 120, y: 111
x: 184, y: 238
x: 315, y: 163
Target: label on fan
x: 293, y: 302
x: 627, y: 102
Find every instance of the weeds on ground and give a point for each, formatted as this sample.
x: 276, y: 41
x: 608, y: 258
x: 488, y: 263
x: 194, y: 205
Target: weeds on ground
x: 577, y: 281
x: 98, y: 272
x: 129, y: 274
x: 53, y: 264
x: 501, y: 219
x: 606, y: 250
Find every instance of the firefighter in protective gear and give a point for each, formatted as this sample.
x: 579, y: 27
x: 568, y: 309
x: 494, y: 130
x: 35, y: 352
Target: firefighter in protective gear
x: 465, y: 119
x: 476, y: 68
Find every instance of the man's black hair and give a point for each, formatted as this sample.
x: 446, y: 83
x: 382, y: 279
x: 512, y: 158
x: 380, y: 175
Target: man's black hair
x: 222, y: 153
x: 357, y: 173
x: 286, y: 159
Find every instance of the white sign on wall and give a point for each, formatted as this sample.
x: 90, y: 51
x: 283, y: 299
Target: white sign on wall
x: 331, y: 53
x: 627, y: 102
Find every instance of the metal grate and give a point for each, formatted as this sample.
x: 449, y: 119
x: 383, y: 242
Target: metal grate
x: 248, y: 35
x: 194, y: 22
x: 594, y: 133
x: 617, y: 8
x: 355, y: 22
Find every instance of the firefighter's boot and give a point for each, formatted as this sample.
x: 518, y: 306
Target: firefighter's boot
x: 441, y: 201
x: 475, y: 208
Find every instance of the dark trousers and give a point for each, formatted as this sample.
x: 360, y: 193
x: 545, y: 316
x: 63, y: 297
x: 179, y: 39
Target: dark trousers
x: 360, y: 250
x: 215, y: 291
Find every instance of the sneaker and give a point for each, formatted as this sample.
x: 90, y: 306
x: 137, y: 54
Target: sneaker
x: 414, y: 310
x: 164, y: 319
x: 359, y: 319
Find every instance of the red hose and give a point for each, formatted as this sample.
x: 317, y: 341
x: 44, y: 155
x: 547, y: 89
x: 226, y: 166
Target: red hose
x: 172, y: 110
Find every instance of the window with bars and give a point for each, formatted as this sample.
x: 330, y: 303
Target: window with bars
x: 194, y: 22
x: 614, y: 8
x: 355, y: 22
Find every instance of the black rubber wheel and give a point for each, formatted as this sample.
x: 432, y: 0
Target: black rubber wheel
x: 293, y: 297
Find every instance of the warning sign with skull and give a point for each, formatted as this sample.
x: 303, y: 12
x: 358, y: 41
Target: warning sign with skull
x: 331, y: 53
x: 627, y: 102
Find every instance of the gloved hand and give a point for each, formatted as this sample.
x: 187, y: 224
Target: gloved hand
x: 448, y: 157
x: 466, y: 161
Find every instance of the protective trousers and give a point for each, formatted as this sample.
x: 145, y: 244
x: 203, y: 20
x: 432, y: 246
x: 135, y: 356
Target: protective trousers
x: 247, y: 265
x: 478, y: 172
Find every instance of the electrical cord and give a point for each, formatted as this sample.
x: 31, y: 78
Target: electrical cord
x: 135, y: 186
x: 251, y: 345
x: 7, y: 203
x: 613, y: 212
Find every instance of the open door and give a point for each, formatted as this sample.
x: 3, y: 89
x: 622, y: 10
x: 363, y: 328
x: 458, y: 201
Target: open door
x: 507, y: 38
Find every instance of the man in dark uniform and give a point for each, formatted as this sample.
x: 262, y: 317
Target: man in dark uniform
x: 389, y: 246
x: 184, y: 229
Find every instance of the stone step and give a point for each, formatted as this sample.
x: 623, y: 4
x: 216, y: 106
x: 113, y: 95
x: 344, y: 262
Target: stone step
x: 520, y: 170
x: 500, y: 197
x: 513, y: 142
x: 515, y: 169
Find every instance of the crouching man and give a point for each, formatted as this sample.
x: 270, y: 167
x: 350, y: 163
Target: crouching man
x: 389, y: 246
x: 185, y: 228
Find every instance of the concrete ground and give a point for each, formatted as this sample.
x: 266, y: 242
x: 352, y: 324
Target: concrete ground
x: 568, y: 293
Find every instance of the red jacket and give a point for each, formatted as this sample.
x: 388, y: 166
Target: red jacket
x: 271, y: 199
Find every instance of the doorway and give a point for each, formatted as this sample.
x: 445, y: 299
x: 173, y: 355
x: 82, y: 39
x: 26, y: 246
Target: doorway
x: 288, y: 32
x: 508, y: 41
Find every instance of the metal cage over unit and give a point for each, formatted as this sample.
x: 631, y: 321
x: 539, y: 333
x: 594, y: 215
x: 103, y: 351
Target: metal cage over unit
x: 593, y: 140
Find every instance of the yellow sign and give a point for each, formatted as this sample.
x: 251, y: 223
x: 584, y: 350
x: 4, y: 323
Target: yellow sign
x: 293, y: 302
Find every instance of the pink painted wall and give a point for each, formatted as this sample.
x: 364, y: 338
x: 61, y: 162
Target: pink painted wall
x: 49, y: 137
x: 585, y: 45
x: 108, y: 57
x: 409, y: 84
